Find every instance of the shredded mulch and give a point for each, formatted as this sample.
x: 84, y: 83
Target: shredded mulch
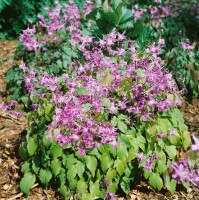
x: 12, y: 133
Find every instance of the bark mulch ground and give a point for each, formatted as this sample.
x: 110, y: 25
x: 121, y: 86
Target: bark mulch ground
x: 12, y: 133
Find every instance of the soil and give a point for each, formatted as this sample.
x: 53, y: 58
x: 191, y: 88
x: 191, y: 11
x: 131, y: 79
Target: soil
x: 11, y: 135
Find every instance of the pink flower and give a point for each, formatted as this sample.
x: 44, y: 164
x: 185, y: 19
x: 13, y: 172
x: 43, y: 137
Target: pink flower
x: 195, y: 147
x: 141, y: 157
x: 173, y: 133
x: 160, y: 135
x: 148, y: 165
x: 138, y: 12
x: 158, y: 1
x: 186, y: 46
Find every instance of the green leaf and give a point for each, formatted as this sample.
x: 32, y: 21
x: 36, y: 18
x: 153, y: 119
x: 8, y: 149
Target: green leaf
x: 56, y: 151
x: 105, y: 102
x: 86, y: 196
x: 82, y: 91
x: 126, y: 14
x: 95, y: 190
x: 175, y: 140
x: 105, y: 5
x: 106, y: 161
x: 45, y: 177
x: 127, y: 171
x: 80, y: 168
x: 46, y: 141
x: 24, y: 99
x: 125, y: 184
x: 125, y: 140
x: 92, y: 15
x: 120, y: 166
x: 114, y: 121
x: 170, y: 184
x: 155, y: 181
x: 147, y: 174
x: 132, y: 154
x: 91, y: 164
x: 111, y: 173
x: 73, y: 184
x: 64, y: 191
x: 55, y: 166
x: 102, y: 149
x: 144, y: 36
x: 49, y: 111
x: 55, y: 69
x: 132, y: 131
x: 186, y: 139
x: 138, y: 28
x: 122, y: 126
x: 27, y: 182
x: 86, y: 107
x: 99, y: 175
x: 71, y: 173
x: 95, y: 152
x: 62, y: 176
x: 23, y: 152
x: 161, y: 166
x: 82, y: 185
x: 164, y: 125
x: 113, y: 187
x: 70, y: 160
x: 116, y: 3
x: 36, y: 164
x: 59, y: 63
x: 122, y: 151
x: 171, y: 151
x: 25, y: 167
x: 31, y: 146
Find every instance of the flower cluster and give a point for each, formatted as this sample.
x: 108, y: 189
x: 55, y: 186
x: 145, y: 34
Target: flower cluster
x: 138, y: 12
x: 148, y: 161
x: 28, y: 40
x: 111, y: 77
x: 61, y: 18
x: 158, y: 12
x: 184, y: 173
x: 9, y: 108
x: 186, y: 46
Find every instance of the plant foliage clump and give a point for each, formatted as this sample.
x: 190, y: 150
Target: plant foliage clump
x: 103, y: 108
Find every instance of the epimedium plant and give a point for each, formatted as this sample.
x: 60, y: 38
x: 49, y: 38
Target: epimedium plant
x: 106, y: 118
x: 186, y: 70
x: 14, y: 19
x: 129, y: 17
x: 173, y: 21
x: 104, y: 169
x: 55, y: 34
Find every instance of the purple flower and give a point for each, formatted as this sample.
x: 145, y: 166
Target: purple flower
x: 186, y: 46
x: 173, y: 132
x: 148, y: 165
x: 35, y: 106
x: 160, y: 135
x: 110, y: 196
x: 141, y: 157
x: 195, y: 147
x: 156, y: 157
x: 183, y: 173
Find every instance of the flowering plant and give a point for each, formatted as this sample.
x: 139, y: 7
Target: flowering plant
x: 102, y: 108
